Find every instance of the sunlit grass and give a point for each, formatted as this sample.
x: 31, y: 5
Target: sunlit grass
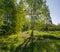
x: 42, y: 46
x: 10, y: 42
x: 41, y: 33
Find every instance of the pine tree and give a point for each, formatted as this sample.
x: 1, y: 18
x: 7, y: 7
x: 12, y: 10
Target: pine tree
x: 21, y: 14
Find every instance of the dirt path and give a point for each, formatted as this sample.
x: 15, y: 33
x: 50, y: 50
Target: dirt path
x: 25, y: 35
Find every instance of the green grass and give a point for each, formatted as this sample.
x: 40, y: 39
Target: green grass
x: 10, y: 43
x: 41, y: 46
x: 47, y: 46
x: 41, y: 33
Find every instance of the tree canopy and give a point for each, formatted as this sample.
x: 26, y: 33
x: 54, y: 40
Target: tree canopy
x: 13, y: 16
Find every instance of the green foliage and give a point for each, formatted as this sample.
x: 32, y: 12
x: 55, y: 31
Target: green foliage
x: 21, y: 14
x: 1, y: 13
x: 51, y: 27
x: 10, y: 42
x: 12, y: 16
x: 8, y: 13
x: 39, y: 13
x: 13, y: 20
x: 27, y: 25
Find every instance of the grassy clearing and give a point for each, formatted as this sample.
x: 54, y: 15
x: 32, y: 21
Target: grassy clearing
x: 11, y: 42
x: 44, y: 45
x: 41, y: 33
x: 41, y: 46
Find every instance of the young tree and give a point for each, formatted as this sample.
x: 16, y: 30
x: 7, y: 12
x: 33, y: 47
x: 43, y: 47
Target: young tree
x: 13, y: 16
x: 21, y: 14
x: 1, y: 13
x: 38, y: 12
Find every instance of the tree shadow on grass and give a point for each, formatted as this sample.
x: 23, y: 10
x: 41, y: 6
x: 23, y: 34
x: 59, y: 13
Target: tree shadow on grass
x: 26, y: 46
x: 29, y: 45
x: 51, y: 37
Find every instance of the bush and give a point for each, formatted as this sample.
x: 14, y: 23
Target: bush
x: 51, y: 27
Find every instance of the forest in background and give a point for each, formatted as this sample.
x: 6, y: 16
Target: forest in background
x: 26, y: 26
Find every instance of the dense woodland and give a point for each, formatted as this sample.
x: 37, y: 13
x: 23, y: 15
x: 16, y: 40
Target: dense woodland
x: 17, y: 18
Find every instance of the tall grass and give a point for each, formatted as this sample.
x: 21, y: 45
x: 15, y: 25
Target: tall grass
x: 9, y: 43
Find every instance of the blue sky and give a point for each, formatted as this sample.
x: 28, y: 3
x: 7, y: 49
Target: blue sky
x: 54, y: 7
